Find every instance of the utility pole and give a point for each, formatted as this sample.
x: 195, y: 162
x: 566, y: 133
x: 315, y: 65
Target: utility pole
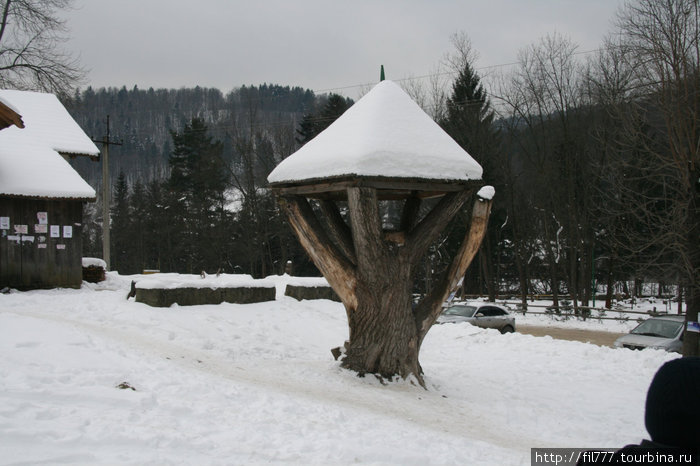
x: 106, y: 193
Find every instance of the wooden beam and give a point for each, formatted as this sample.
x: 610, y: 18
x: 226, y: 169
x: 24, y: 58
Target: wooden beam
x: 388, y: 188
x: 9, y: 117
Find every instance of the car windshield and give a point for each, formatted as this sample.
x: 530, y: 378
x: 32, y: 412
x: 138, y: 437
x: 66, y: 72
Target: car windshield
x: 658, y: 328
x: 464, y: 311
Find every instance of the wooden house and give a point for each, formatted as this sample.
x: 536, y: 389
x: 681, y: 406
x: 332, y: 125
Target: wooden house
x: 41, y: 195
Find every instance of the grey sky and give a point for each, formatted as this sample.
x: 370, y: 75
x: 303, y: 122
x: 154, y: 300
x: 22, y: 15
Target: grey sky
x: 315, y: 44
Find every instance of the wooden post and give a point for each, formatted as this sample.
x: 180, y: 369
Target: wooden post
x: 106, y: 198
x: 106, y: 194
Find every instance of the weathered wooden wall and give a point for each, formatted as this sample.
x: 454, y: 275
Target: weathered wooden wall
x: 29, y: 256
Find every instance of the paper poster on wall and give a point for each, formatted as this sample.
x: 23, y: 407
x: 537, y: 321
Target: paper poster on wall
x: 67, y: 231
x: 693, y: 327
x: 60, y: 246
x: 41, y: 228
x: 41, y: 246
x: 21, y: 229
x: 55, y: 231
x: 4, y: 223
x: 43, y: 218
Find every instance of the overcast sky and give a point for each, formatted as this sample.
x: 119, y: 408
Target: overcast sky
x: 315, y: 44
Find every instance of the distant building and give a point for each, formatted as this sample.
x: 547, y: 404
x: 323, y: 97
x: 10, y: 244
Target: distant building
x: 41, y: 195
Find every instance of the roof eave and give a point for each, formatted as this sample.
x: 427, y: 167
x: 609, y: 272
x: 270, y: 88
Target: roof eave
x: 30, y: 197
x: 388, y: 188
x: 94, y: 157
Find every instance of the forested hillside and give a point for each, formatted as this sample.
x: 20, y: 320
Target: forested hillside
x: 143, y: 120
x: 189, y: 177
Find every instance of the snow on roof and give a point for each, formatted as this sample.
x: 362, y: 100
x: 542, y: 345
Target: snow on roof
x: 384, y: 134
x: 30, y: 160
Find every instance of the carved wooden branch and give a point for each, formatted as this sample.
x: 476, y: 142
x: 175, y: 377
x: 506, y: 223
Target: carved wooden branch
x: 338, y: 270
x: 427, y: 231
x: 366, y: 227
x: 430, y: 307
x: 338, y: 229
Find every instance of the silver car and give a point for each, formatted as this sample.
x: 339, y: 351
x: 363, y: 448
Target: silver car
x: 484, y: 315
x: 664, y: 333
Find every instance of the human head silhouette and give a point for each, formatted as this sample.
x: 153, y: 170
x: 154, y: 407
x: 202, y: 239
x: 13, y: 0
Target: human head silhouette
x: 672, y: 415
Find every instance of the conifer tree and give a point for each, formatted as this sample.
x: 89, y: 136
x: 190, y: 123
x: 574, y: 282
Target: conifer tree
x: 470, y: 121
x: 120, y: 226
x: 470, y: 118
x: 311, y: 124
x: 195, y: 191
x: 137, y: 227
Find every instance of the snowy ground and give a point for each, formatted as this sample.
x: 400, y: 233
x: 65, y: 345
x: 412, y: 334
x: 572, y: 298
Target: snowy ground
x: 256, y: 384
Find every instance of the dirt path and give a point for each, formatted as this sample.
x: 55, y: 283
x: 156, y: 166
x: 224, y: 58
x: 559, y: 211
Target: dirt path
x: 590, y: 336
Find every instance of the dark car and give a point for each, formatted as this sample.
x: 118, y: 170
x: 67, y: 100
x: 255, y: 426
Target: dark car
x: 484, y: 315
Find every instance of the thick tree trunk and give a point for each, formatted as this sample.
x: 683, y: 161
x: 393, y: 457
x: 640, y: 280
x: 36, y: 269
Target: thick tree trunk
x: 691, y: 339
x: 522, y: 278
x: 692, y: 247
x: 375, y: 346
x: 520, y: 262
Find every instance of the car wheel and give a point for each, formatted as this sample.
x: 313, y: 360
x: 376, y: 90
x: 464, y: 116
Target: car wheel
x: 507, y: 329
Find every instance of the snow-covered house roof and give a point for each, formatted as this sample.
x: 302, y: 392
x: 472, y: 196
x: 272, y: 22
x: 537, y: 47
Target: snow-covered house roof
x: 383, y: 135
x: 31, y: 164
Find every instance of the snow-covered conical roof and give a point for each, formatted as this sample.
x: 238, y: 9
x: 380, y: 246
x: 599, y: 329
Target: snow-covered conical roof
x: 30, y: 164
x: 384, y: 134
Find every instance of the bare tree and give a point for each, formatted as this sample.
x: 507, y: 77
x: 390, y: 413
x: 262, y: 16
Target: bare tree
x: 30, y: 53
x: 543, y: 103
x: 657, y: 163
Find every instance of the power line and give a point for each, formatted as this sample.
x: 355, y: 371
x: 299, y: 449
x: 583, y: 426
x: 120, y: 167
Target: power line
x: 224, y: 129
x: 442, y: 73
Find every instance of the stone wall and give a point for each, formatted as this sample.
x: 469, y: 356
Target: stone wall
x: 165, y: 297
x: 311, y: 292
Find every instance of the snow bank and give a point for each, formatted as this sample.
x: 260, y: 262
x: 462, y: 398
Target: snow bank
x: 94, y: 262
x: 175, y: 280
x: 171, y: 281
x: 256, y: 383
